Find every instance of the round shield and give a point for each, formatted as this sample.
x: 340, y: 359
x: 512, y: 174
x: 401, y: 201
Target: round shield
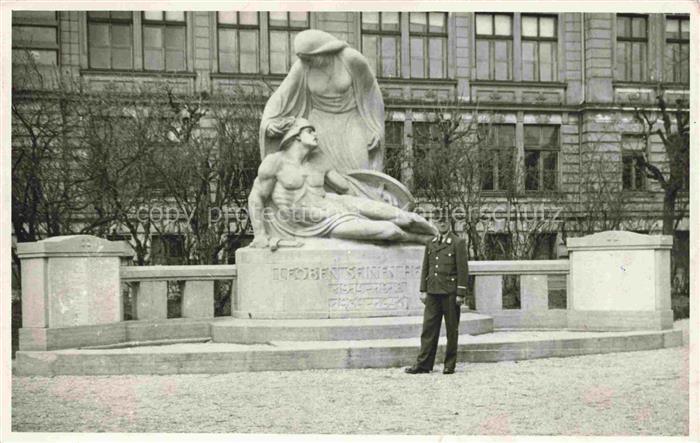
x: 386, y: 188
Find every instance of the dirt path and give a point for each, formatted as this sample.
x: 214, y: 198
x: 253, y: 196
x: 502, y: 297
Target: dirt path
x: 635, y: 393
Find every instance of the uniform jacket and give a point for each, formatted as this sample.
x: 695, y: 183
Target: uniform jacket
x: 445, y: 267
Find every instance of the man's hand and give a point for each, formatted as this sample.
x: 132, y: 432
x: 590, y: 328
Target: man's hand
x: 460, y: 300
x: 423, y: 297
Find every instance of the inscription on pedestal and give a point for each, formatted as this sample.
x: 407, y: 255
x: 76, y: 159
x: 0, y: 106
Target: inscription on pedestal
x: 358, y: 288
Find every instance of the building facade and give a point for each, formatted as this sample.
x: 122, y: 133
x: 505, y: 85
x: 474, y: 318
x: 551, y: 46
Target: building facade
x: 551, y: 85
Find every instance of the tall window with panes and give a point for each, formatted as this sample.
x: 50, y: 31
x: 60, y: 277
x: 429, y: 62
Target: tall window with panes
x: 497, y: 151
x: 633, y: 151
x: 631, y: 53
x: 239, y: 42
x: 539, y: 47
x: 284, y: 26
x: 35, y: 37
x: 381, y: 42
x: 541, y: 146
x: 110, y: 40
x: 426, y: 135
x: 164, y: 45
x: 494, y: 46
x: 393, y: 149
x: 677, y: 63
x: 428, y: 44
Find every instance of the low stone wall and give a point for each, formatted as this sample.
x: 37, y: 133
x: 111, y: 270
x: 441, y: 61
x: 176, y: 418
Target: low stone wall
x: 72, y: 296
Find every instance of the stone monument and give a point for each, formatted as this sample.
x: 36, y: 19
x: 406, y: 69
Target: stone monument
x: 69, y: 281
x: 333, y: 237
x: 620, y: 281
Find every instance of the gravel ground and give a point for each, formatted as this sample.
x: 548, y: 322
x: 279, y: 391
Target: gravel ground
x: 635, y: 393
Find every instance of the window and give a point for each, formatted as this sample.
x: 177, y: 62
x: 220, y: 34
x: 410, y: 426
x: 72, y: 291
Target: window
x: 633, y: 148
x: 425, y: 136
x: 381, y: 42
x: 631, y: 62
x: 35, y: 35
x: 167, y: 249
x: 541, y: 147
x: 677, y: 63
x: 498, y: 246
x: 544, y: 246
x: 394, y: 149
x: 239, y: 41
x: 539, y: 47
x: 110, y: 40
x: 164, y: 40
x: 284, y: 26
x: 497, y: 150
x: 494, y: 46
x: 428, y: 44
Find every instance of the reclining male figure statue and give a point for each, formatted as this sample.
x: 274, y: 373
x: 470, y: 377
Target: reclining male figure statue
x: 289, y: 200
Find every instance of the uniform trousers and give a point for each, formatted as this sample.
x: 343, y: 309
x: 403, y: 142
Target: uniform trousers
x: 438, y: 306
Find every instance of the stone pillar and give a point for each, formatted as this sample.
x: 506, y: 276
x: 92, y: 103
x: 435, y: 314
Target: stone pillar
x: 620, y: 281
x: 198, y: 299
x: 69, y: 281
x: 488, y: 293
x: 534, y: 293
x: 152, y: 300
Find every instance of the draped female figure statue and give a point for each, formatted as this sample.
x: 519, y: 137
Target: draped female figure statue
x: 333, y: 87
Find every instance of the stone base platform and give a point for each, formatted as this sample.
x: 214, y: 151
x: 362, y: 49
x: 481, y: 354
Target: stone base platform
x: 197, y: 358
x: 328, y: 278
x: 263, y: 331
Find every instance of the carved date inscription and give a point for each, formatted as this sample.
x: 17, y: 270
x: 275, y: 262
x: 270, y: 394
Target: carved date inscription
x: 358, y: 288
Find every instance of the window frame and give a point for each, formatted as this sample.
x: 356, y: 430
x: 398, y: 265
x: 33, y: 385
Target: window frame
x: 23, y: 45
x: 643, y: 69
x: 491, y: 38
x: 680, y: 41
x: 497, y: 152
x: 420, y: 129
x: 539, y: 39
x: 166, y: 254
x: 626, y: 152
x: 379, y: 33
x: 109, y: 21
x: 400, y: 147
x: 289, y: 29
x: 426, y: 36
x: 237, y: 27
x: 540, y: 161
x: 164, y: 24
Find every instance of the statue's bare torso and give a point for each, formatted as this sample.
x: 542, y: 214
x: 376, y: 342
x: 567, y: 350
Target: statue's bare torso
x: 296, y: 183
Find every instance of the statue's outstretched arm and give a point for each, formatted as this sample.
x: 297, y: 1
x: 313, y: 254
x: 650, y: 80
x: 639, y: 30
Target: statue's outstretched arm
x: 337, y: 181
x: 261, y: 191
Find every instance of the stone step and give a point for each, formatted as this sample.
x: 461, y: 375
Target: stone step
x: 263, y: 331
x: 211, y: 358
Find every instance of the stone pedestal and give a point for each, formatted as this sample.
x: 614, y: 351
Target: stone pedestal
x: 620, y: 281
x: 329, y: 279
x: 68, y: 281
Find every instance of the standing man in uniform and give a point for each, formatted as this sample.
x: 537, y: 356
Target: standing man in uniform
x: 443, y: 288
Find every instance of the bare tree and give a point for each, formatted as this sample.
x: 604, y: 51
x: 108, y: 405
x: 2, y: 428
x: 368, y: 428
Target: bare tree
x: 206, y: 168
x: 444, y: 168
x: 671, y: 125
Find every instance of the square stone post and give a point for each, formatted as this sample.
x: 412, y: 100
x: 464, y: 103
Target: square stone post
x: 70, y: 281
x: 620, y: 281
x: 198, y: 299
